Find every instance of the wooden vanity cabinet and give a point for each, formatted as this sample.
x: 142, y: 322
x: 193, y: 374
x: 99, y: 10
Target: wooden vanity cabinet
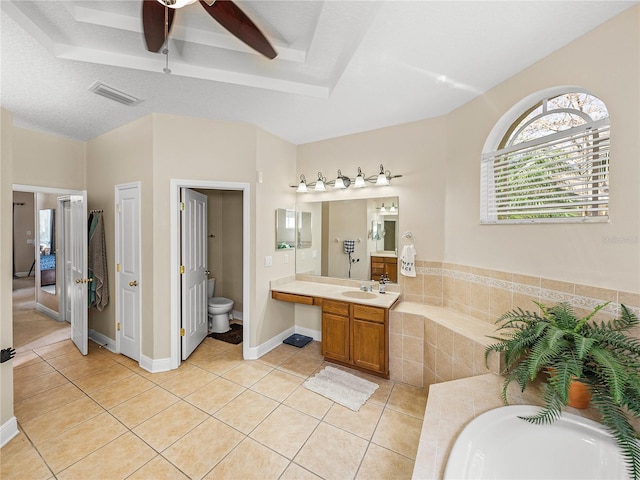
x: 381, y: 265
x: 356, y: 335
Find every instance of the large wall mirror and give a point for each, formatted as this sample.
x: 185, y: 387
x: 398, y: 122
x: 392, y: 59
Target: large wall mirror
x: 47, y: 235
x: 372, y: 225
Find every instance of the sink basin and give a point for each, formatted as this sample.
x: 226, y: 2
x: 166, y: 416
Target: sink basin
x: 359, y: 294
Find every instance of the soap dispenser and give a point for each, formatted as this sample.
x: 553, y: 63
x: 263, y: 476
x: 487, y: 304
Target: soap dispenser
x: 382, y: 287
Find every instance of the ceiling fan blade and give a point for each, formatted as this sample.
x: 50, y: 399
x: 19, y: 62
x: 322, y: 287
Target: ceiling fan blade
x: 153, y: 23
x: 227, y: 14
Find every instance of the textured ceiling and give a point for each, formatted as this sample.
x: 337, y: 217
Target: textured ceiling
x: 342, y: 66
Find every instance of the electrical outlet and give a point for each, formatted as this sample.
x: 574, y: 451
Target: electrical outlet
x: 28, y: 233
x: 286, y: 258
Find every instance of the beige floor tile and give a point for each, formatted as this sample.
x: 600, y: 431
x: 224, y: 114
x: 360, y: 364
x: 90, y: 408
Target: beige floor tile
x: 21, y: 461
x: 277, y: 385
x: 250, y: 461
x: 158, y: 469
x: 57, y: 349
x: 121, y: 391
x: 301, y: 365
x: 78, y: 442
x: 143, y: 406
x: 285, y: 430
x: 382, y: 463
x: 223, y: 362
x: 89, y: 366
x: 169, y: 425
x: 103, y: 378
x: 188, y: 381
x: 26, y: 359
x: 207, y: 444
x: 398, y: 432
x: 66, y: 416
x: 35, y: 386
x: 278, y: 355
x: 44, y: 402
x: 408, y: 399
x: 309, y: 402
x: 35, y: 369
x: 312, y: 349
x: 296, y: 472
x: 247, y: 373
x: 215, y: 395
x: 362, y: 423
x: 118, y: 459
x: 332, y: 453
x: 246, y: 411
x: 72, y: 357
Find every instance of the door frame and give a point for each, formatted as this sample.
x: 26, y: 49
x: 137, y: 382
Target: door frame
x: 118, y: 252
x: 61, y: 192
x: 174, y: 229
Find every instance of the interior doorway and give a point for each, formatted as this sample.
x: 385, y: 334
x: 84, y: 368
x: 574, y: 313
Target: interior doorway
x: 175, y: 236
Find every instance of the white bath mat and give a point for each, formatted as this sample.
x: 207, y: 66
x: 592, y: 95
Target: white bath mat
x: 341, y: 387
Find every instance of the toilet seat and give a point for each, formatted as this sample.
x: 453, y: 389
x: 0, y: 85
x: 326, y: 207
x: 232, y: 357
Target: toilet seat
x: 220, y: 302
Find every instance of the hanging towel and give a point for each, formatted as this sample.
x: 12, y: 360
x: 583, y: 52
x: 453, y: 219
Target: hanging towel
x: 99, y: 288
x: 349, y: 246
x: 408, y: 258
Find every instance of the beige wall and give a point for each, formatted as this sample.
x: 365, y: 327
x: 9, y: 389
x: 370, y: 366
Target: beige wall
x: 121, y: 156
x: 6, y: 218
x: 440, y: 160
x: 45, y: 160
x: 606, y: 63
x: 23, y: 222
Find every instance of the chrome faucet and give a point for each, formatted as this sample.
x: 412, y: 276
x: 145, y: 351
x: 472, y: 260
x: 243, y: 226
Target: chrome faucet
x: 366, y: 287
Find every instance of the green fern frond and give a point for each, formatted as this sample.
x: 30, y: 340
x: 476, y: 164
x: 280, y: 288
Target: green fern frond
x: 583, y: 345
x: 551, y: 410
x: 610, y: 370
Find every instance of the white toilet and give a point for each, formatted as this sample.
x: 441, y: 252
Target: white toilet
x: 219, y: 310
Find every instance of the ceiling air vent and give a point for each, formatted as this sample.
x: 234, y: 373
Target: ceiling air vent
x: 114, y: 94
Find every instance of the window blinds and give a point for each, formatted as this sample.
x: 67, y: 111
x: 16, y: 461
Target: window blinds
x: 559, y: 177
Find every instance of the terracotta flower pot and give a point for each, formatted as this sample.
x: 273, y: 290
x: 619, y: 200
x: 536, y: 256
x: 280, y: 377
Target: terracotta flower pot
x: 579, y: 395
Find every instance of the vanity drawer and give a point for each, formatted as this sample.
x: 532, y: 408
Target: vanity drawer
x: 364, y: 312
x: 292, y: 297
x: 335, y: 307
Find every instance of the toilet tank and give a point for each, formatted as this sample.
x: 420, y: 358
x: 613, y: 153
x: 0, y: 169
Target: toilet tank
x: 211, y: 287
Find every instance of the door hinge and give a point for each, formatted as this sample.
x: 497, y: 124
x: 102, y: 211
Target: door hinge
x: 182, y: 206
x: 118, y: 326
x: 181, y: 269
x: 182, y: 332
x: 117, y: 267
x: 117, y: 208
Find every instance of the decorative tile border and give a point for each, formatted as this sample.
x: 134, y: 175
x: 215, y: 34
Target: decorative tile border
x: 544, y: 294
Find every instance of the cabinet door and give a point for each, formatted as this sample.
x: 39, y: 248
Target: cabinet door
x: 335, y: 337
x: 369, y: 345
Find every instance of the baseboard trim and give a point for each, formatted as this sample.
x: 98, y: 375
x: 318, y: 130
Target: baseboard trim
x: 156, y: 365
x: 102, y: 340
x: 47, y: 311
x: 236, y: 315
x: 315, y: 334
x: 8, y: 430
x: 266, y: 347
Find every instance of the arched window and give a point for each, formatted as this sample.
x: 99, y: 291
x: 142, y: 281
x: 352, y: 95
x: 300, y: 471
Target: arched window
x: 551, y: 165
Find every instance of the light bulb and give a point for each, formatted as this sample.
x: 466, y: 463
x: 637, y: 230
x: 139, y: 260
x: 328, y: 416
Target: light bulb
x: 302, y: 187
x: 382, y: 177
x: 360, y: 179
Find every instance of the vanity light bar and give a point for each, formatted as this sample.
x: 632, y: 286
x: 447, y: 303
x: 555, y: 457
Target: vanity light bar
x: 341, y: 182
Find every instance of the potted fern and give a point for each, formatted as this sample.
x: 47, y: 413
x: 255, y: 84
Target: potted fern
x: 602, y: 355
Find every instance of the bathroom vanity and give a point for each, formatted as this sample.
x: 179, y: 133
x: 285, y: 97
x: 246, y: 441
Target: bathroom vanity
x: 381, y: 263
x: 355, y: 323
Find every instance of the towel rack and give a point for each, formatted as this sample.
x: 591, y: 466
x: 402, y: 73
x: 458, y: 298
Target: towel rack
x: 95, y: 211
x: 408, y: 236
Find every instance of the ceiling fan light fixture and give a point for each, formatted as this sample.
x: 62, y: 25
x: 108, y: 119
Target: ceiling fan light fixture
x: 176, y: 3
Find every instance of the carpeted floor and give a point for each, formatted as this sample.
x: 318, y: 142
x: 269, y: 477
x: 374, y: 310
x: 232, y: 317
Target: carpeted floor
x: 32, y: 329
x: 233, y: 336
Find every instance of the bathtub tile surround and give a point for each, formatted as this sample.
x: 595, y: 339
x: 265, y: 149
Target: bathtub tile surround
x: 478, y: 295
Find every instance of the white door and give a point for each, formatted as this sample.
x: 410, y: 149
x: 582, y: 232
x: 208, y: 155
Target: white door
x: 128, y: 271
x: 78, y: 246
x: 194, y: 266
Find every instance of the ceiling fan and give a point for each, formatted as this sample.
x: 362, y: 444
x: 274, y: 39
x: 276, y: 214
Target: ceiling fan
x: 157, y: 17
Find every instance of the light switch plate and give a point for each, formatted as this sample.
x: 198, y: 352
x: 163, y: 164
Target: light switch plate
x: 268, y: 261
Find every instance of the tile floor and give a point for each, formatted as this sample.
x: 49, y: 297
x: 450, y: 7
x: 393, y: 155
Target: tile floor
x: 217, y: 416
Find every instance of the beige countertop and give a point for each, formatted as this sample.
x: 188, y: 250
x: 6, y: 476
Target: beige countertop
x: 336, y: 292
x: 385, y: 253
